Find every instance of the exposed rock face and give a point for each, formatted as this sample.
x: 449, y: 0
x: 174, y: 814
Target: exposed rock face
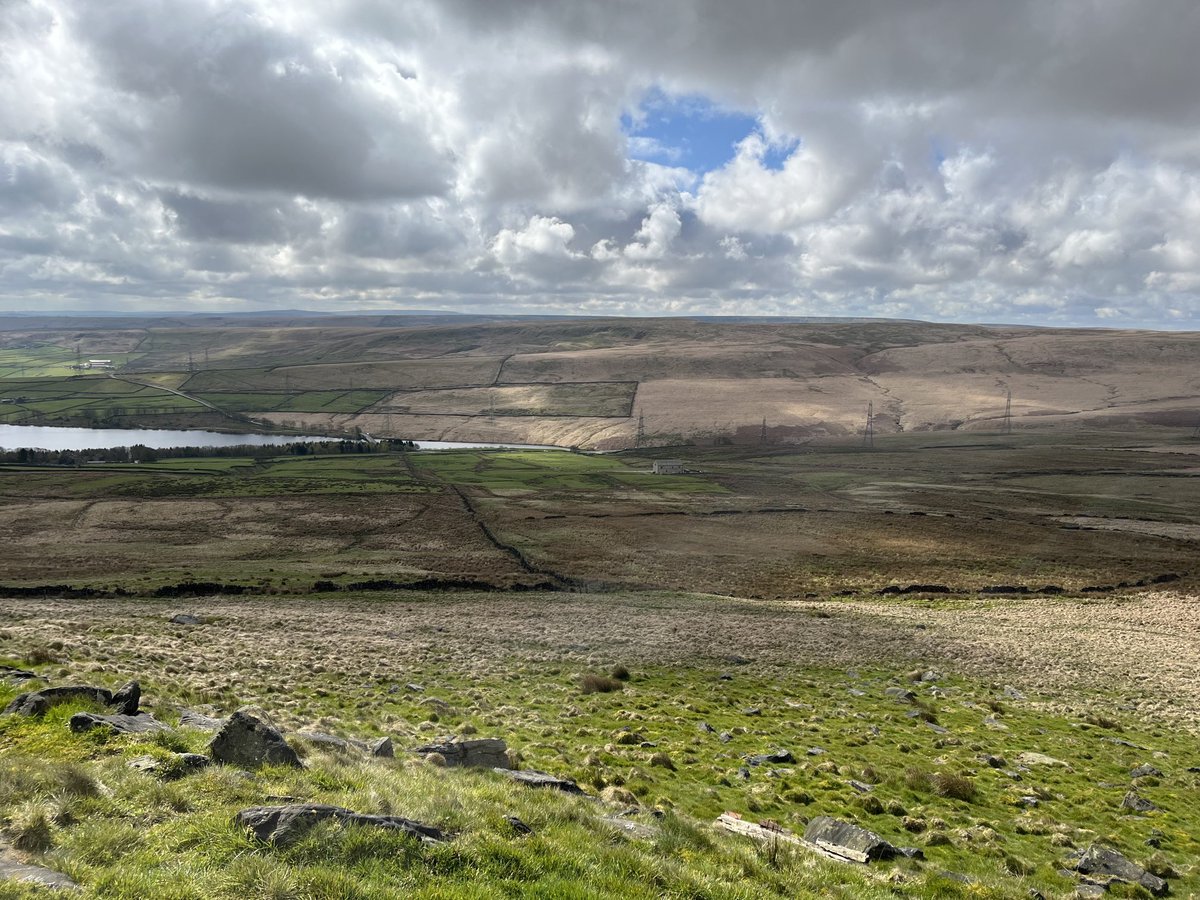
x: 846, y: 840
x: 541, y: 780
x: 35, y: 703
x: 1104, y: 861
x: 142, y: 723
x: 249, y: 742
x: 127, y: 698
x: 282, y: 825
x: 382, y: 748
x: 484, y: 753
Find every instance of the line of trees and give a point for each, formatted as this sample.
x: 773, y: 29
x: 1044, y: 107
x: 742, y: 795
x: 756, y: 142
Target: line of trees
x: 141, y: 453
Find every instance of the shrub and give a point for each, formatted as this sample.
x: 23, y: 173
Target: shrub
x: 918, y: 779
x: 620, y: 673
x: 599, y: 684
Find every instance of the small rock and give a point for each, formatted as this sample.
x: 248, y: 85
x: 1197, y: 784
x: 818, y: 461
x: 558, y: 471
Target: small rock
x: 13, y: 675
x: 1136, y: 803
x: 1144, y: 771
x: 706, y: 728
x: 634, y: 830
x: 1090, y: 891
x: 1011, y: 693
x: 177, y: 766
x: 628, y: 738
x: 128, y: 698
x: 815, y: 751
x: 186, y: 619
x: 861, y: 786
x: 900, y: 693
x: 382, y: 748
x: 518, y: 826
x: 752, y: 711
x: 414, y: 687
x: 779, y: 757
x: 248, y: 742
x: 725, y: 737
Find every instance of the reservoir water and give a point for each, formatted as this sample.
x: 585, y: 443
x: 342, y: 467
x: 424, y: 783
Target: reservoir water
x: 46, y: 437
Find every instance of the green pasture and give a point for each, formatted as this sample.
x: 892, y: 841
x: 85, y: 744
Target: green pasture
x: 80, y: 399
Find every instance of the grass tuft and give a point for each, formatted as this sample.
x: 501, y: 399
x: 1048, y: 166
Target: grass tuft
x: 599, y: 684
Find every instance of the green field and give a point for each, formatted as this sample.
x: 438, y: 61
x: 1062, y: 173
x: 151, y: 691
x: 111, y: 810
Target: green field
x: 85, y: 399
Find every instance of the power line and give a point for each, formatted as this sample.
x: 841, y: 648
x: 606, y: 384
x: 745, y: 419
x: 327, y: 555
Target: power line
x: 869, y: 433
x: 641, y: 430
x: 762, y: 433
x: 1007, y: 425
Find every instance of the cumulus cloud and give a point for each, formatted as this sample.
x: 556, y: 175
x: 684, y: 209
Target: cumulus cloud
x: 952, y: 160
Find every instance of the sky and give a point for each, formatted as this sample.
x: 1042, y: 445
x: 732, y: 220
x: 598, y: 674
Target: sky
x: 1031, y: 161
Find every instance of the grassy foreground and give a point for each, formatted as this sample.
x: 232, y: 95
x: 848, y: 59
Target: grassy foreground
x: 670, y: 740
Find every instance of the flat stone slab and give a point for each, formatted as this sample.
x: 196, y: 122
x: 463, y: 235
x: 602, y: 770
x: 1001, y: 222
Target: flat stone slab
x: 282, y: 825
x: 1029, y: 758
x: 142, y: 723
x: 177, y: 766
x: 13, y: 869
x: 531, y: 778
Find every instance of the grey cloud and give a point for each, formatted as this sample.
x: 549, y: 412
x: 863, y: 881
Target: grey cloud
x: 239, y: 221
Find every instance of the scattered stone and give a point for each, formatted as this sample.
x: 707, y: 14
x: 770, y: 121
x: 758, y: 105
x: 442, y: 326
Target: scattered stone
x: 995, y: 762
x: 815, y: 751
x: 186, y: 619
x: 532, y: 778
x: 752, y: 711
x: 936, y: 728
x: 994, y: 724
x: 1145, y: 771
x: 735, y: 660
x: 725, y: 737
x: 1089, y: 891
x: 35, y: 703
x: 1011, y: 693
x: 1104, y: 861
x: 177, y: 766
x: 900, y: 693
x: 1030, y: 758
x: 779, y: 757
x: 1028, y: 801
x: 248, y: 742
x: 957, y: 876
x: 481, y: 753
x: 414, y: 687
x: 191, y: 719
x: 706, y: 728
x: 1121, y: 742
x: 518, y: 826
x: 911, y: 852
x: 382, y: 748
x: 282, y: 825
x: 847, y: 841
x: 128, y: 698
x: 1136, y: 803
x: 861, y: 786
x: 12, y: 869
x: 628, y: 738
x: 142, y: 723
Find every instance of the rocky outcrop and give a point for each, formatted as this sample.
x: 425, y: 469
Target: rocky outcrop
x: 1098, y: 860
x: 249, y: 742
x: 36, y: 703
x: 847, y: 841
x: 282, y: 825
x: 484, y: 753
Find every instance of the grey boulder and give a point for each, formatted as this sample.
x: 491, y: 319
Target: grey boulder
x: 484, y: 753
x: 248, y: 742
x: 142, y: 723
x: 1104, y: 861
x: 847, y: 841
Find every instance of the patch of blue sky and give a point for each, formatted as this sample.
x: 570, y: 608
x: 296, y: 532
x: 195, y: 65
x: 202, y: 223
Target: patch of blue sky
x: 692, y: 132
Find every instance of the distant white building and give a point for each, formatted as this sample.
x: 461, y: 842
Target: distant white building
x: 668, y: 467
x: 99, y: 364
